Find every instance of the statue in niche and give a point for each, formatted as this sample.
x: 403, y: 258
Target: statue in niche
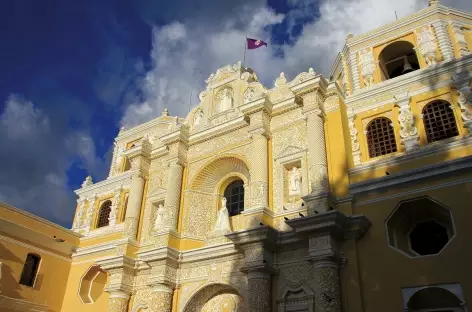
x: 159, y: 218
x: 222, y: 225
x: 295, y: 181
x: 226, y: 100
x: 120, y: 158
x: 198, y: 118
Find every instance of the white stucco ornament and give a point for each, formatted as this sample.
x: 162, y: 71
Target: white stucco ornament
x: 427, y: 45
x: 366, y: 63
x: 295, y: 181
x: 222, y: 225
x: 160, y: 222
x: 88, y: 181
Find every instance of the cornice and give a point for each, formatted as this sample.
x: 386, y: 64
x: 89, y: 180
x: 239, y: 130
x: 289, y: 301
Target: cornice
x: 331, y: 222
x: 223, y: 128
x: 116, y: 262
x: 209, y: 252
x: 264, y: 235
x: 181, y: 134
x: 123, y: 178
x: 310, y: 85
x: 286, y: 105
x: 413, y: 175
x: 156, y: 254
x: 107, y: 246
x: 160, y: 151
x: 146, y: 126
x: 423, y: 151
x: 262, y: 104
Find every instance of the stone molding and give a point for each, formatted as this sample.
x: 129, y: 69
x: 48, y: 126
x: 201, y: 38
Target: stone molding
x: 121, y: 180
x: 413, y: 175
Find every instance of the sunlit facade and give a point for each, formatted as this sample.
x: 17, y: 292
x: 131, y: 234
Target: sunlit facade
x: 347, y: 193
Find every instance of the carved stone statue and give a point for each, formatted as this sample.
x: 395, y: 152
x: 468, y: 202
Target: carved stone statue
x: 427, y: 45
x: 120, y: 158
x: 222, y: 225
x: 159, y: 223
x: 366, y: 63
x: 295, y: 181
x: 226, y: 100
x: 198, y: 118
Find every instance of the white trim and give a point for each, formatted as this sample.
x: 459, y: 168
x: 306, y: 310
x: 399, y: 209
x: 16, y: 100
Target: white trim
x: 146, y: 126
x: 107, y: 246
x: 104, y: 230
x: 412, y: 175
x: 124, y: 178
x: 33, y: 248
x: 434, y: 148
x: 411, y: 192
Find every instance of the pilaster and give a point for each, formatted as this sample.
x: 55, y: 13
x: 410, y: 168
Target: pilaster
x: 408, y: 130
x: 324, y: 232
x: 444, y: 42
x: 161, y: 298
x: 459, y: 37
x: 354, y: 71
x: 257, y: 245
x: 118, y: 301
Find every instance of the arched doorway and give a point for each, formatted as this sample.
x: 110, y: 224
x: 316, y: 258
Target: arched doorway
x: 216, y: 298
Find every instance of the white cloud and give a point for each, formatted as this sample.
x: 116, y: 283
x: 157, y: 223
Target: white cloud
x: 185, y: 52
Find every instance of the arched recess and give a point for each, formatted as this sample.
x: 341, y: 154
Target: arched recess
x: 396, y: 59
x: 208, y: 296
x: 211, y: 176
x: 203, y: 197
x: 434, y: 298
x: 293, y: 298
x: 92, y: 284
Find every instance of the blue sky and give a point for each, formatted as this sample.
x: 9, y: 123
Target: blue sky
x: 73, y: 72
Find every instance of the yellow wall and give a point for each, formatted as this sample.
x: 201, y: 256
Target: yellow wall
x: 385, y: 271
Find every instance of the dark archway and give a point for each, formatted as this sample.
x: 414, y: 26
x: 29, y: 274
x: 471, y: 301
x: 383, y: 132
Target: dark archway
x: 396, y: 59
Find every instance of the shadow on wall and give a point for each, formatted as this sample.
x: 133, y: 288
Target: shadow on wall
x: 9, y: 283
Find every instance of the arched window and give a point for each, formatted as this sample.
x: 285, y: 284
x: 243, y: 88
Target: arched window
x: 104, y: 214
x: 30, y: 270
x: 439, y: 121
x: 234, y: 194
x: 397, y: 59
x: 381, y: 137
x: 435, y: 299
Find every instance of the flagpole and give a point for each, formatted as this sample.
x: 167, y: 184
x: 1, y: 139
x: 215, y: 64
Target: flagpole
x: 245, y: 48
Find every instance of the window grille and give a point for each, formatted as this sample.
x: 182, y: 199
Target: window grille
x: 381, y: 137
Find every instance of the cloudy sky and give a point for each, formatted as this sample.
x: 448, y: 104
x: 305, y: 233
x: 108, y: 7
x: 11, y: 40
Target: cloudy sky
x: 73, y: 72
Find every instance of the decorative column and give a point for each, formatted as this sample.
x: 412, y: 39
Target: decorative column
x: 257, y: 245
x: 461, y: 83
x: 115, y: 206
x: 326, y: 259
x: 459, y: 36
x: 354, y: 71
x: 355, y: 146
x: 118, y: 301
x: 317, y: 163
x: 172, y: 201
x: 80, y: 211
x: 442, y: 35
x: 139, y: 158
x: 408, y: 131
x: 259, y: 113
x: 121, y: 273
x: 164, y: 263
x: 324, y: 231
x: 161, y: 298
x: 89, y: 217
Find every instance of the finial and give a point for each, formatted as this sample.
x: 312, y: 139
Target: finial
x: 433, y: 2
x: 88, y: 181
x: 311, y: 71
x: 121, y: 129
x: 165, y: 112
x: 281, y: 80
x: 282, y: 75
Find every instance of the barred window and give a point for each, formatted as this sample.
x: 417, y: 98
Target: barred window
x: 381, y: 137
x: 439, y: 121
x: 30, y: 270
x: 104, y: 214
x: 234, y: 194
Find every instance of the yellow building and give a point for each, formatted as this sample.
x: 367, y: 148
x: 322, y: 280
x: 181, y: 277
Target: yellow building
x: 342, y: 194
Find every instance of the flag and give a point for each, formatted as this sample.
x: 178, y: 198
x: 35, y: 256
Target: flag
x: 254, y: 43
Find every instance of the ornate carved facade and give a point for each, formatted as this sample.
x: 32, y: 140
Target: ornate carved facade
x: 324, y: 184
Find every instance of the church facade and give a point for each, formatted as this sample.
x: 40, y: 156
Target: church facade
x: 343, y: 194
